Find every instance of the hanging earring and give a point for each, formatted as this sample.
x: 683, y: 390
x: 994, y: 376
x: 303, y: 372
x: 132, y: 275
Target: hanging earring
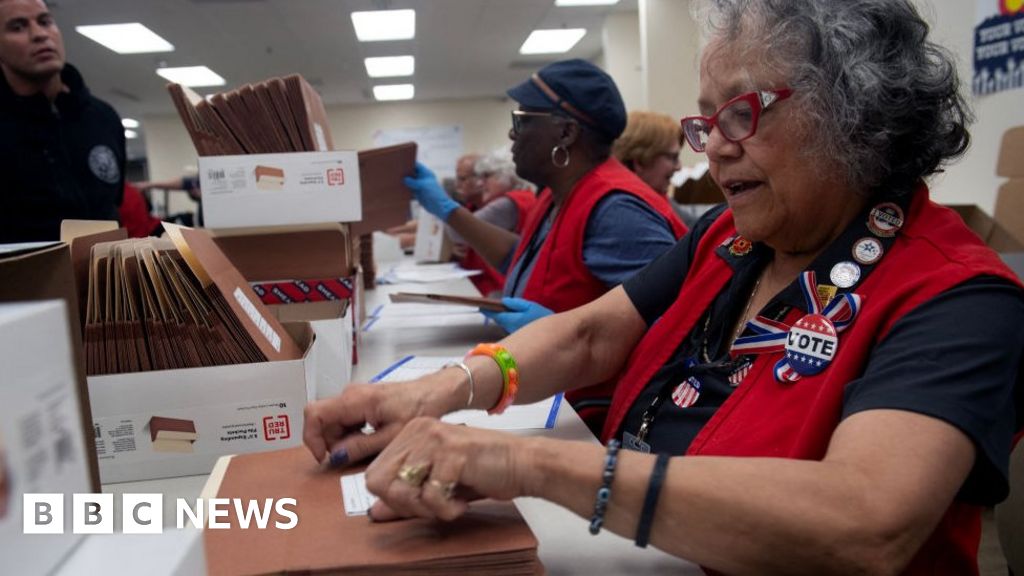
x: 554, y: 156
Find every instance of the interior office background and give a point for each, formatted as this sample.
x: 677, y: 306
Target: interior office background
x: 651, y: 51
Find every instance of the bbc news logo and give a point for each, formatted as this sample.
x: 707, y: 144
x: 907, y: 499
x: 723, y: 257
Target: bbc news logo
x: 143, y: 513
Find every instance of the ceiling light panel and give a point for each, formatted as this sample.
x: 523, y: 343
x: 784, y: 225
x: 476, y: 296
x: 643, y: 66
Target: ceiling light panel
x: 132, y: 38
x: 129, y: 123
x: 552, y: 41
x: 585, y: 2
x: 394, y: 92
x: 380, y: 25
x: 131, y: 134
x: 388, y: 66
x: 193, y: 76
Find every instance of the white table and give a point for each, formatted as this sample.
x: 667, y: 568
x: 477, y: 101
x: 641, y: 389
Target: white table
x: 566, y: 547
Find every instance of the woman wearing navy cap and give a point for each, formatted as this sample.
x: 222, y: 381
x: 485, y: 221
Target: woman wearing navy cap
x: 822, y: 377
x: 595, y: 223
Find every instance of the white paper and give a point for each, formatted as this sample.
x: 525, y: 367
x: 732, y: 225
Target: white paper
x: 355, y: 496
x: 425, y: 321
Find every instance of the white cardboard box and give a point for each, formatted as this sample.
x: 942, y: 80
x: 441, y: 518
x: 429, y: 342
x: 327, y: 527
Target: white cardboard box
x: 235, y: 409
x: 280, y: 189
x: 332, y: 322
x: 42, y: 446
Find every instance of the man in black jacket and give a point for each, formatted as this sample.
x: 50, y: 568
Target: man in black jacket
x: 62, y: 151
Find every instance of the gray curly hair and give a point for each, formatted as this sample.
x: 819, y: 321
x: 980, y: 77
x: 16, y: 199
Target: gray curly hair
x: 499, y: 164
x: 884, y: 101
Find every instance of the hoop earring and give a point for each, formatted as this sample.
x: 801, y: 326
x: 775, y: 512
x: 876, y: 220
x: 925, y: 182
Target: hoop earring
x: 554, y: 156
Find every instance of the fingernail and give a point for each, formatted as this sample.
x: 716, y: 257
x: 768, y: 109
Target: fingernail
x: 339, y: 457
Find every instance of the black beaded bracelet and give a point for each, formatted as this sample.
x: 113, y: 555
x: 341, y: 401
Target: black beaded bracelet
x: 643, y: 529
x: 604, y: 493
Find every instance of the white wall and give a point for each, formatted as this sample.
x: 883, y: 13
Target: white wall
x: 621, y: 57
x: 973, y: 180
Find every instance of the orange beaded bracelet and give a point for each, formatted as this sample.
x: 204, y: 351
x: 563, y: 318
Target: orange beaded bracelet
x: 509, y: 373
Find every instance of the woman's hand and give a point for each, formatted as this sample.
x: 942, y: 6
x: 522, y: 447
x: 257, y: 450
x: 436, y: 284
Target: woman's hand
x: 333, y: 429
x: 433, y: 470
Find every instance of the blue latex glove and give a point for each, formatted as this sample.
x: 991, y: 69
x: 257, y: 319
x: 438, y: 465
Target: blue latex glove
x: 429, y: 194
x: 520, y: 313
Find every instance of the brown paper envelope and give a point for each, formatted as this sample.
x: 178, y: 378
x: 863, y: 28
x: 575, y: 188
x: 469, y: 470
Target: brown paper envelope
x: 212, y: 268
x: 258, y: 126
x: 385, y: 196
x: 309, y: 113
x: 226, y: 112
x: 227, y: 140
x: 284, y: 112
x: 326, y: 539
x: 269, y: 116
x: 206, y: 142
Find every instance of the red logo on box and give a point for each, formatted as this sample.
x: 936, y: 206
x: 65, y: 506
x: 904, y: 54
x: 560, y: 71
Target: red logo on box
x: 335, y: 177
x: 276, y: 428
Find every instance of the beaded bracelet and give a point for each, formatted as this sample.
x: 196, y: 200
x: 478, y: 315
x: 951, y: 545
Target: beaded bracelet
x: 604, y: 493
x: 509, y: 373
x: 469, y: 373
x: 643, y: 529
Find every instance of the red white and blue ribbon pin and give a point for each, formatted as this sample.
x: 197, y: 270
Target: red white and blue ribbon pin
x: 811, y: 343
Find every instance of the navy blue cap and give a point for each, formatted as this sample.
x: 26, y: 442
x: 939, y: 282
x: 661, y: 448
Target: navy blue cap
x: 579, y: 89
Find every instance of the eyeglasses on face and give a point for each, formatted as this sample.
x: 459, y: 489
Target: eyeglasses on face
x: 736, y: 119
x: 518, y: 116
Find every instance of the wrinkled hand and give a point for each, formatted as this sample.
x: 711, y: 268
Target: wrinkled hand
x: 520, y: 313
x: 460, y: 464
x: 333, y: 427
x: 429, y: 194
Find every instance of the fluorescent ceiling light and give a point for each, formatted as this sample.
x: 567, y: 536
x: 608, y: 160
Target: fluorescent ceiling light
x: 552, y: 41
x: 394, y: 92
x: 585, y: 2
x: 384, y: 25
x: 133, y: 38
x: 129, y: 134
x: 385, y: 66
x: 192, y: 76
x: 129, y: 123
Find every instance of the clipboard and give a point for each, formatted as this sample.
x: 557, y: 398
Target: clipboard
x: 491, y: 304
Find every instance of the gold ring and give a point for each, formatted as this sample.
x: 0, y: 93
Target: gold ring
x: 413, y: 475
x: 447, y: 488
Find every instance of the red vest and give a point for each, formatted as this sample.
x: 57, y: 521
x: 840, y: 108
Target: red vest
x: 491, y: 280
x: 559, y: 279
x: 933, y: 252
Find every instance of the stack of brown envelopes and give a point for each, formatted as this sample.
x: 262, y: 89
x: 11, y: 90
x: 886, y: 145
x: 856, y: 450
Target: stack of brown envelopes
x: 276, y: 115
x: 491, y: 538
x: 158, y: 304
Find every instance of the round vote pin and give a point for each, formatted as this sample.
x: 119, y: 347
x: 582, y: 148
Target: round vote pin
x: 845, y: 274
x: 811, y: 344
x: 886, y: 219
x: 867, y: 251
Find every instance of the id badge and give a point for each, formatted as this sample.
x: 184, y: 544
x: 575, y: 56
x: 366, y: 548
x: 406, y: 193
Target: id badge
x: 631, y: 442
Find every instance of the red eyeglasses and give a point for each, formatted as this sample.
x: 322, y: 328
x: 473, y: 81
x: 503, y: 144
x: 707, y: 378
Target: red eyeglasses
x: 736, y: 119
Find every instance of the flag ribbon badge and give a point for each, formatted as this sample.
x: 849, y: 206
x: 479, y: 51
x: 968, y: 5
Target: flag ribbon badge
x: 810, y: 343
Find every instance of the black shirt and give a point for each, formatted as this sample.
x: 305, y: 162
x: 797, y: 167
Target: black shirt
x: 58, y: 160
x: 956, y: 357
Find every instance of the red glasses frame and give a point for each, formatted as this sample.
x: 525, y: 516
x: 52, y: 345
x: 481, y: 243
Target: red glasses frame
x: 758, y: 102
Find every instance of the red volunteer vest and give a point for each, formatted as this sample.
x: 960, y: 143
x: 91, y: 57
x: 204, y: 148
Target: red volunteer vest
x: 933, y: 252
x: 559, y: 279
x: 491, y: 280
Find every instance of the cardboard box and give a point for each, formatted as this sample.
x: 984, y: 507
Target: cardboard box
x: 988, y: 229
x: 332, y: 323
x: 43, y: 271
x: 43, y: 449
x: 1009, y: 210
x: 234, y: 409
x: 280, y: 189
x: 288, y: 265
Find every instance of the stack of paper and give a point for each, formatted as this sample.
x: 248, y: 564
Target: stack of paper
x: 179, y: 303
x: 276, y: 115
x: 491, y: 538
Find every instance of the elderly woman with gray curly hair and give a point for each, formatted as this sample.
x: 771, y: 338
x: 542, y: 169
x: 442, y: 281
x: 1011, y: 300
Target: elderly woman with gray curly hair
x: 820, y: 378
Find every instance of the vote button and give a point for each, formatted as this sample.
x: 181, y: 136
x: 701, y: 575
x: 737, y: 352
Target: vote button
x: 811, y: 344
